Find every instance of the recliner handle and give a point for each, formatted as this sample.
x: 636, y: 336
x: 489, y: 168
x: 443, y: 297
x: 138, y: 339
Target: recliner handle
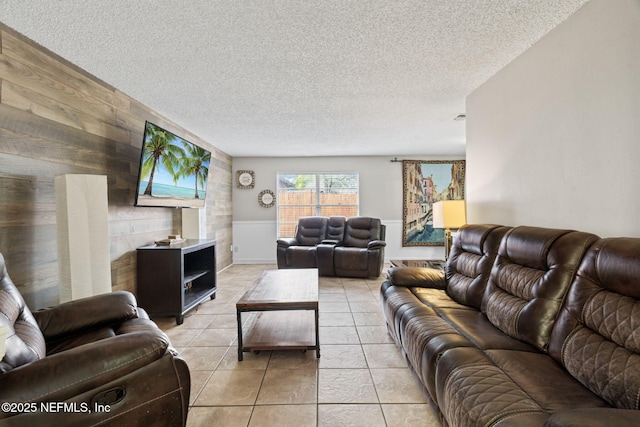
x: 109, y: 397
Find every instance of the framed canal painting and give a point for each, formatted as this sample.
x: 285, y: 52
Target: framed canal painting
x: 423, y: 184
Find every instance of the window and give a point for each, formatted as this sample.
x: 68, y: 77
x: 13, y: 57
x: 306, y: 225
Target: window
x: 311, y: 194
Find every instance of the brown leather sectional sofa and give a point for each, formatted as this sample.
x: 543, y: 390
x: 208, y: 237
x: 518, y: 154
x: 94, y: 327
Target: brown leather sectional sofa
x: 526, y: 327
x: 336, y: 246
x: 92, y: 361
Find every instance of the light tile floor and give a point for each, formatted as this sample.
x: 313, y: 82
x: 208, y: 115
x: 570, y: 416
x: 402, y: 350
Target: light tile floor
x: 360, y: 379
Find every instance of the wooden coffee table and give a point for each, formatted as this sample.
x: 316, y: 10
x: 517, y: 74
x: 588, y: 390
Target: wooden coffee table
x: 288, y: 304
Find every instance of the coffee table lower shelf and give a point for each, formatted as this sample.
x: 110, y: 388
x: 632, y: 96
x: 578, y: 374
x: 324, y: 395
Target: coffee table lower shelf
x: 279, y: 330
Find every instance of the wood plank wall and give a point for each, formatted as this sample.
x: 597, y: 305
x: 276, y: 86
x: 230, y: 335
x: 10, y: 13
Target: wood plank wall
x: 57, y: 119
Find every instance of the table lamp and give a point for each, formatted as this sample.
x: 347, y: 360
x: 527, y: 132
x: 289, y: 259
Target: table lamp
x: 449, y: 214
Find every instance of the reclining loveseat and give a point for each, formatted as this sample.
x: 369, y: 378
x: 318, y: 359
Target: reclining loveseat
x: 336, y: 246
x: 526, y: 326
x: 92, y: 361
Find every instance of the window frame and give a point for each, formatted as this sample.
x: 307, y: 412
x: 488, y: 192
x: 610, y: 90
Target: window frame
x: 317, y: 206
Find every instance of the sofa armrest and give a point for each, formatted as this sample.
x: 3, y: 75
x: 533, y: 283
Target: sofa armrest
x: 417, y: 277
x: 376, y: 244
x: 594, y: 417
x: 324, y: 257
x: 285, y: 242
x: 86, y: 313
x: 330, y: 242
x: 69, y: 373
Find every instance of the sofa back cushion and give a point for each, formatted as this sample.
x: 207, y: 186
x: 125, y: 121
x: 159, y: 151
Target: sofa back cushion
x: 311, y: 230
x: 360, y: 230
x: 469, y: 264
x: 25, y: 342
x: 530, y: 278
x: 335, y: 228
x: 597, y: 336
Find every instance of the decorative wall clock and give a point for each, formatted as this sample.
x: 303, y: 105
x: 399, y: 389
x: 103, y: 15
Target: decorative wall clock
x: 245, y: 179
x: 266, y: 198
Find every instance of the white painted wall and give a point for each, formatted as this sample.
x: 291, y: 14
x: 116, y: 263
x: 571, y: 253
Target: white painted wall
x: 254, y: 227
x: 553, y: 139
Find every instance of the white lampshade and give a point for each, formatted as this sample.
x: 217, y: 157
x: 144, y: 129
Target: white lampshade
x: 449, y: 214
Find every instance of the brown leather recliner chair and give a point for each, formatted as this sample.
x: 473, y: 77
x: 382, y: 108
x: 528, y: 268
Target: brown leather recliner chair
x: 361, y: 252
x: 300, y: 251
x: 98, y: 360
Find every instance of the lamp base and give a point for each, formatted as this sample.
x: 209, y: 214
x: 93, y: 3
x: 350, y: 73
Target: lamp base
x: 447, y: 243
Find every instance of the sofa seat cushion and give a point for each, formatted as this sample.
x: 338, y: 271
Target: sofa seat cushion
x: 503, y: 387
x: 351, y: 258
x: 475, y: 326
x: 544, y: 380
x: 438, y: 298
x: 472, y: 391
x: 301, y: 256
x: 357, y: 262
x: 448, y: 318
x: 427, y: 333
x: 426, y: 323
x: 398, y: 299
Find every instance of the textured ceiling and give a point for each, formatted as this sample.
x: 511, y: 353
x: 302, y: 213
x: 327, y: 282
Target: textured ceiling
x: 297, y: 77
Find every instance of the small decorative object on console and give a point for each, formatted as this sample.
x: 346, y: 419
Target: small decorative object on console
x: 171, y: 240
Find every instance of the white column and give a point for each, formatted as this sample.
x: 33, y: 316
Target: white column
x: 84, y: 264
x: 194, y: 223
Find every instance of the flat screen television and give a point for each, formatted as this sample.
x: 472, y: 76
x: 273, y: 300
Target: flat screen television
x: 173, y: 171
